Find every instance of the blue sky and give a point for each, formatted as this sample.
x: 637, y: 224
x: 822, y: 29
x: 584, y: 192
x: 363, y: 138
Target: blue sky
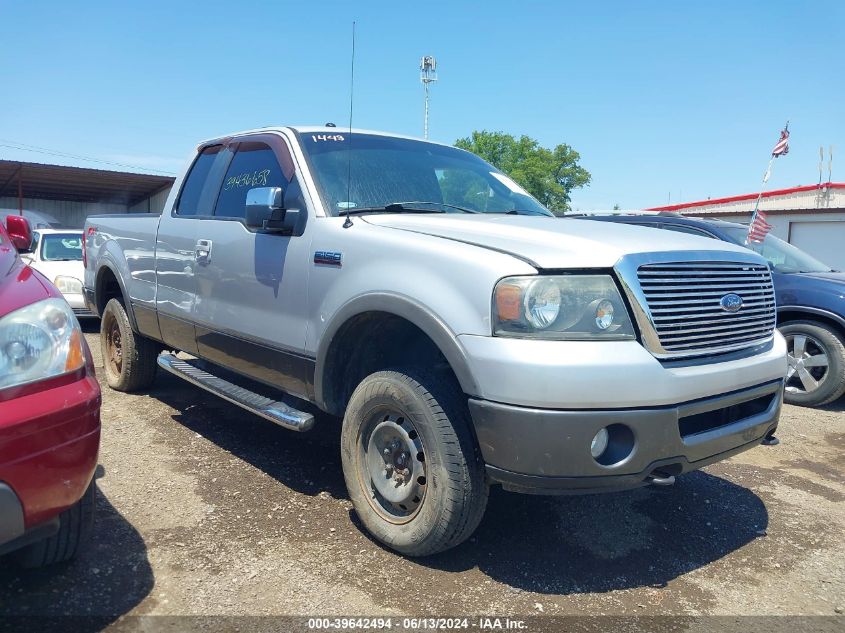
x: 660, y: 98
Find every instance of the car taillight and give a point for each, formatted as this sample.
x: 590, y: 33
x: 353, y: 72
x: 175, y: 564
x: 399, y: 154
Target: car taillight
x: 90, y: 232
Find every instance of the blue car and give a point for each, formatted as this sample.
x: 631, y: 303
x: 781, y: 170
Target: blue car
x: 810, y: 299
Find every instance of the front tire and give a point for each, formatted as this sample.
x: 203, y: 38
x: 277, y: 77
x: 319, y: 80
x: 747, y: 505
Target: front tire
x: 816, y: 363
x: 410, y: 461
x: 75, y: 527
x: 128, y: 358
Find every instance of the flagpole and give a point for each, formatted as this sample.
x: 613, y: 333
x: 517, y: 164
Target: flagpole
x: 763, y: 188
x: 760, y: 195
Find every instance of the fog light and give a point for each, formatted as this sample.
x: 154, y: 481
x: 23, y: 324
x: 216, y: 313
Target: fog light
x: 599, y: 443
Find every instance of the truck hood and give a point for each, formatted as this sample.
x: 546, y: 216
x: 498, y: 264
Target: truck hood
x: 548, y: 243
x: 835, y: 277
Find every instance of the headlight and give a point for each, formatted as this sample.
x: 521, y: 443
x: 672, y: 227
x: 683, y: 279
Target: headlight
x: 68, y: 285
x: 542, y: 303
x: 560, y: 307
x: 39, y: 341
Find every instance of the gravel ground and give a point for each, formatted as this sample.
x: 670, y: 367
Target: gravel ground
x: 205, y: 509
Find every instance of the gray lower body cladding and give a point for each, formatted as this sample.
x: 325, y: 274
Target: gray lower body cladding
x: 548, y: 451
x: 13, y: 533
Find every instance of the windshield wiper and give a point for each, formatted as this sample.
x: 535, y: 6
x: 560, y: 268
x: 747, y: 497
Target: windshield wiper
x: 390, y: 208
x: 519, y: 212
x: 408, y: 207
x: 442, y: 205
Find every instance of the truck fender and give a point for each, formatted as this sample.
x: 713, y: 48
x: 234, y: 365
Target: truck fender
x: 110, y: 266
x: 406, y: 308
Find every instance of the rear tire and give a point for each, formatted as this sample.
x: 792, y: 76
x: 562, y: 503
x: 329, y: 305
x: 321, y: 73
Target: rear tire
x: 816, y: 371
x: 129, y: 359
x: 75, y: 527
x: 410, y: 461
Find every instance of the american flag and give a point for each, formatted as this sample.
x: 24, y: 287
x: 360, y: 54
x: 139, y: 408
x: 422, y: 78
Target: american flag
x: 782, y: 146
x: 759, y: 227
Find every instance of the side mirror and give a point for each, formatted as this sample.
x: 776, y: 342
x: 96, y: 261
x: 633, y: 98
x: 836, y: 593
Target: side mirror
x: 19, y: 232
x: 265, y: 210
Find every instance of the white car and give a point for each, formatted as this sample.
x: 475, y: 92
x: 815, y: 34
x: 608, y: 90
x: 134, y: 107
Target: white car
x: 57, y: 254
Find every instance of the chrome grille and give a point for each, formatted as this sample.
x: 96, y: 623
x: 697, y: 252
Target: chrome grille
x: 684, y: 304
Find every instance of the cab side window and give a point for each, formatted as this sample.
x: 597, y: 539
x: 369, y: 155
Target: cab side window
x: 254, y: 165
x: 200, y: 188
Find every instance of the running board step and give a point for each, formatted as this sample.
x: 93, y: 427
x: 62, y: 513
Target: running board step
x: 279, y: 412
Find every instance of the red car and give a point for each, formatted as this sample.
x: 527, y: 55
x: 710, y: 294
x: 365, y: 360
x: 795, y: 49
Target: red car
x: 49, y: 414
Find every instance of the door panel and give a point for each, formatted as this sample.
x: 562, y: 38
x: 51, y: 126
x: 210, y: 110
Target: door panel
x: 250, y: 307
x: 176, y: 281
x: 176, y: 248
x: 253, y: 291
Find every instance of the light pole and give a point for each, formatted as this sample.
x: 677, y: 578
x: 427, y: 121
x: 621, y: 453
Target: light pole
x: 428, y: 75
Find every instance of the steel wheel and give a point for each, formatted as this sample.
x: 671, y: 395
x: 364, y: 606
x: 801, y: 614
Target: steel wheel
x: 114, y: 346
x: 391, y: 466
x: 807, y: 363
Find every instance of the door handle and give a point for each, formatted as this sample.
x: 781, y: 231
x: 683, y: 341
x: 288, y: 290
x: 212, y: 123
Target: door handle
x: 202, y: 251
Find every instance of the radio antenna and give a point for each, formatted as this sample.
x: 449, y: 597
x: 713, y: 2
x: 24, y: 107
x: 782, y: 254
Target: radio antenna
x: 348, y: 221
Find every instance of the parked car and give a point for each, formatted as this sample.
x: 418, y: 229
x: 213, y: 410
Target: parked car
x: 49, y: 414
x: 463, y: 332
x: 57, y: 254
x: 810, y: 304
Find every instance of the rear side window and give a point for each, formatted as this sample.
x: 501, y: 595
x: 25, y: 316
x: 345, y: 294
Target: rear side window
x: 254, y: 165
x: 196, y: 197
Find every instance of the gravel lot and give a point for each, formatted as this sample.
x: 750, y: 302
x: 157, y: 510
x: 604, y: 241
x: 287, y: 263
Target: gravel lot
x: 205, y: 509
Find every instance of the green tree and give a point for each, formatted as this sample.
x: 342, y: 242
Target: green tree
x: 547, y: 174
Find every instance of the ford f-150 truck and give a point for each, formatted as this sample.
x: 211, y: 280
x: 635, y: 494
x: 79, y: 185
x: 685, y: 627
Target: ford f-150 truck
x: 465, y: 335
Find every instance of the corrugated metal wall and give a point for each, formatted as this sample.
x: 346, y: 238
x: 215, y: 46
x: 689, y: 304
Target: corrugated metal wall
x: 153, y: 204
x: 73, y: 214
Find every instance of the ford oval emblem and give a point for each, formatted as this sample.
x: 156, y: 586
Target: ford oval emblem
x: 731, y: 302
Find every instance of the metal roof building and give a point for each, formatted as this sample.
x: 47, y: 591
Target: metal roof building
x: 811, y: 217
x: 70, y: 194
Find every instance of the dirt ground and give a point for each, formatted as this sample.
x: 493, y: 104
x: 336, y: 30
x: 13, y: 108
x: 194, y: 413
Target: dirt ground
x: 205, y: 509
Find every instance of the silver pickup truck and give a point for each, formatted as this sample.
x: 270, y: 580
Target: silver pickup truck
x: 465, y: 335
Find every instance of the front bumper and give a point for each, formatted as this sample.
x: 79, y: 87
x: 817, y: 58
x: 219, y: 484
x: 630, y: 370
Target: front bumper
x: 49, y: 442
x: 79, y: 305
x: 608, y: 374
x: 13, y: 532
x: 548, y: 451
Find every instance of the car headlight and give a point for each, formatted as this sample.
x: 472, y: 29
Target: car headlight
x: 68, y: 285
x: 560, y: 307
x: 39, y: 341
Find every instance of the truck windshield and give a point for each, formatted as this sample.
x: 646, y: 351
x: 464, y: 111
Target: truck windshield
x: 783, y: 256
x: 372, y: 172
x: 56, y: 247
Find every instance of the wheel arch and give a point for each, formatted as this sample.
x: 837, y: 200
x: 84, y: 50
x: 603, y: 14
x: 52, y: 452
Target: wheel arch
x: 109, y: 285
x: 806, y: 313
x: 369, y: 312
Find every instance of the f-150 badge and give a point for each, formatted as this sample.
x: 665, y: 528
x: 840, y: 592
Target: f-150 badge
x: 328, y: 258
